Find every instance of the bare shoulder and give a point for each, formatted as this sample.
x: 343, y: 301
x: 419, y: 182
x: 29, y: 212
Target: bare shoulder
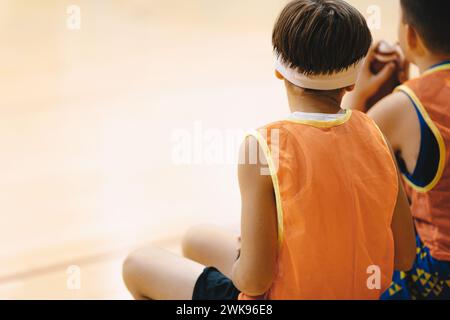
x: 392, y: 108
x: 396, y: 117
x: 249, y: 152
x: 252, y: 164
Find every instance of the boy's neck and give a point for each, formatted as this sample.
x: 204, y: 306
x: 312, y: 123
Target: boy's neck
x: 426, y: 63
x: 301, y: 101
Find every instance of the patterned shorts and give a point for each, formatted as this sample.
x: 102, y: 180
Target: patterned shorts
x: 429, y: 279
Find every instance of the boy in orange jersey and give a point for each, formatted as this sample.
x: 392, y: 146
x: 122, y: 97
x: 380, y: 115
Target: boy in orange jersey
x: 330, y: 220
x: 416, y: 121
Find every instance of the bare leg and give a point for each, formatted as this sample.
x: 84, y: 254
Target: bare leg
x: 151, y: 273
x: 212, y: 246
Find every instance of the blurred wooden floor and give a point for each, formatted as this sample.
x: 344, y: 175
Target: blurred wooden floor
x: 99, y: 275
x: 86, y: 119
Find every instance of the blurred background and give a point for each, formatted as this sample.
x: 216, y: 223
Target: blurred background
x: 94, y: 97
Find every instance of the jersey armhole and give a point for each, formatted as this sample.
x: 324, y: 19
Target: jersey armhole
x: 422, y: 112
x: 273, y: 171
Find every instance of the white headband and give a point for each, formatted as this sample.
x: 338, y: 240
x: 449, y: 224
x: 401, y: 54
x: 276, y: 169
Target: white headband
x: 332, y: 81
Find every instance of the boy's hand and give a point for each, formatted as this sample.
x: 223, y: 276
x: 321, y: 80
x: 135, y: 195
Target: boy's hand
x: 368, y: 83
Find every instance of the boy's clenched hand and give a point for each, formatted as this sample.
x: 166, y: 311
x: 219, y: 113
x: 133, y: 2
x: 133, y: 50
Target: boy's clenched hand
x: 368, y: 83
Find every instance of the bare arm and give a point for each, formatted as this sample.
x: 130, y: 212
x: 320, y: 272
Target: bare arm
x: 396, y: 118
x: 254, y: 271
x: 403, y: 230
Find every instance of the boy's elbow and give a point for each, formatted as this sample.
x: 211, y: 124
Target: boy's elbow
x: 406, y: 261
x: 250, y: 283
x: 255, y: 288
x: 403, y: 265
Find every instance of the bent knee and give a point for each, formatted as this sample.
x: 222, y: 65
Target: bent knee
x: 129, y: 270
x: 134, y: 268
x: 192, y: 239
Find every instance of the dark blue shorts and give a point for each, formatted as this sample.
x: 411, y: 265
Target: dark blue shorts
x: 428, y: 279
x: 213, y: 285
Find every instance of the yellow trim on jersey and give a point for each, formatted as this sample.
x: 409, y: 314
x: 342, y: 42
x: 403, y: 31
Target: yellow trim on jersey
x: 437, y: 134
x: 386, y: 144
x: 325, y: 124
x: 390, y: 150
x: 273, y: 173
x: 443, y: 67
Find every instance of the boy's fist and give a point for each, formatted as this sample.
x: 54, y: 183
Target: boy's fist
x: 382, y: 72
x: 384, y: 55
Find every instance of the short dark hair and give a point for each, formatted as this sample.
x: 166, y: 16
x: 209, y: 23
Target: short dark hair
x: 431, y: 20
x: 321, y: 36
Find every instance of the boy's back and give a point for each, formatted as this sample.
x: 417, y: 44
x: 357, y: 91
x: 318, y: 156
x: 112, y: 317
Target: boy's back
x: 336, y: 185
x: 430, y: 190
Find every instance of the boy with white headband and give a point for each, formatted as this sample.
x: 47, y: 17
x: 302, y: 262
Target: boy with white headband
x: 330, y: 220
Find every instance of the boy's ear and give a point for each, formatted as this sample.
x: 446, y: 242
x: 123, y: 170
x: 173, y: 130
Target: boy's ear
x: 349, y: 88
x: 414, y: 41
x: 279, y: 75
x: 411, y: 37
